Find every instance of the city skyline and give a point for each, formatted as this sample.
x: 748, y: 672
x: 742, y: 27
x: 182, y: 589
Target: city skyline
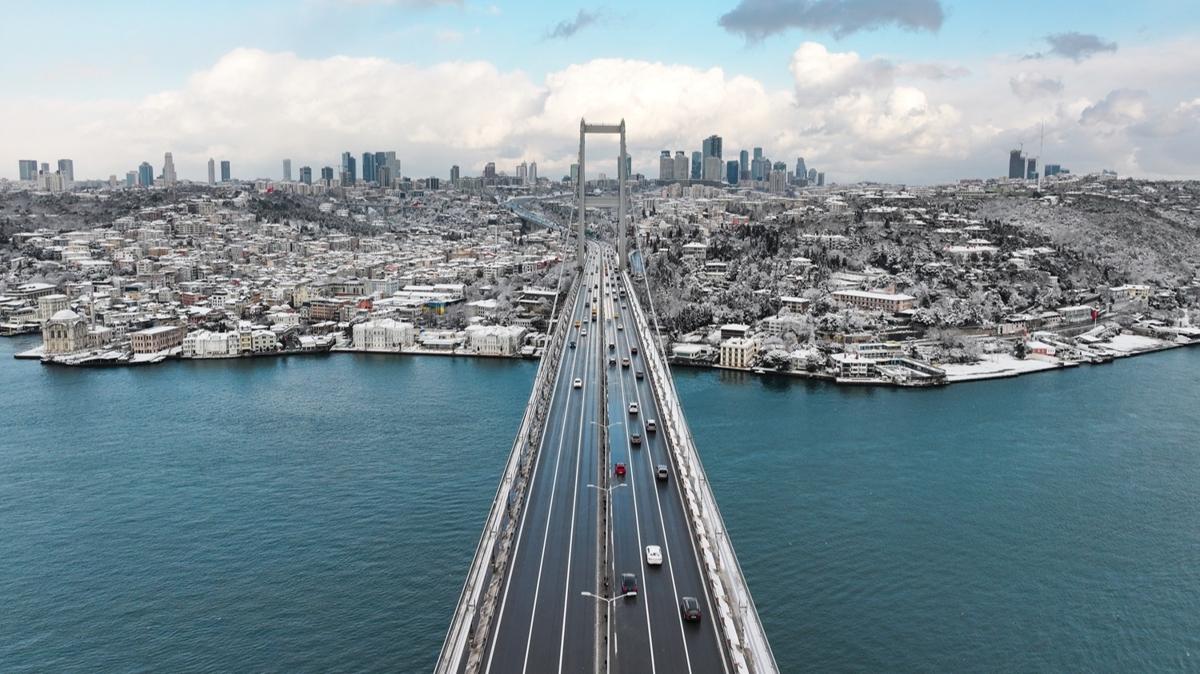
x: 931, y: 93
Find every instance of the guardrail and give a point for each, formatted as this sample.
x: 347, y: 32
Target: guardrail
x: 469, y: 628
x: 745, y: 640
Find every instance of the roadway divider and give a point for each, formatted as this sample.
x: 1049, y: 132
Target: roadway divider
x: 745, y: 640
x: 470, y: 627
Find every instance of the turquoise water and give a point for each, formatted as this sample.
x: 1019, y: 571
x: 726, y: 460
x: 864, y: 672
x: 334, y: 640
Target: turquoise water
x: 318, y: 513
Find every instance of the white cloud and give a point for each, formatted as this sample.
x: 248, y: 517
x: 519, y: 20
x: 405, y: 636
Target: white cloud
x: 853, y: 117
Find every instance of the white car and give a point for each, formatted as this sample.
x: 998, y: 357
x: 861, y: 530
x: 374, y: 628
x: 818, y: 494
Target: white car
x: 578, y: 383
x: 633, y: 408
x: 653, y: 555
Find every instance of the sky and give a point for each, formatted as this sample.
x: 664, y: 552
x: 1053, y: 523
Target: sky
x: 901, y: 91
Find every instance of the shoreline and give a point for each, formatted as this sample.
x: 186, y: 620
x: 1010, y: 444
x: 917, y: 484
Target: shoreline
x: 964, y: 374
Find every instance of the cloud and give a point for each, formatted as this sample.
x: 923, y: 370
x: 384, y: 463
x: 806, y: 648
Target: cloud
x: 566, y: 28
x: 1028, y: 86
x: 757, y: 19
x: 1075, y: 46
x: 1119, y: 107
x: 851, y: 115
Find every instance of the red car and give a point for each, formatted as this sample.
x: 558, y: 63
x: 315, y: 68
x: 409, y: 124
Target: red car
x: 621, y: 469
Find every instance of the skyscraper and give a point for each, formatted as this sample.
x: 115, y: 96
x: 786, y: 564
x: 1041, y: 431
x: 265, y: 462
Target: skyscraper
x: 66, y: 167
x: 168, y: 173
x: 28, y: 169
x: 145, y: 174
x: 368, y: 168
x: 306, y: 175
x: 381, y: 160
x: 287, y: 170
x: 131, y: 179
x: 712, y: 169
x: 533, y: 172
x: 454, y: 175
x: 574, y: 174
x: 349, y: 170
x: 681, y: 165
x: 743, y: 162
x: 812, y: 176
x: 712, y: 146
x: 1031, y: 172
x: 489, y: 172
x: 1016, y: 165
x: 733, y: 169
x: 801, y: 169
x: 697, y: 165
x: 666, y: 166
x: 327, y: 175
x: 758, y: 153
x: 212, y: 171
x: 821, y: 179
x: 226, y: 171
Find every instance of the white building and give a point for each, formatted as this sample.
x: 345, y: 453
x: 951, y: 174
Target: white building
x: 385, y: 334
x: 206, y: 344
x: 495, y: 340
x: 64, y: 332
x: 48, y: 305
x: 738, y: 352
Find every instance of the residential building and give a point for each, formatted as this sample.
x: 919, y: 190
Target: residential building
x: 157, y: 339
x: 738, y: 352
x: 875, y: 301
x: 666, y: 166
x: 212, y: 171
x: 226, y: 171
x: 455, y: 173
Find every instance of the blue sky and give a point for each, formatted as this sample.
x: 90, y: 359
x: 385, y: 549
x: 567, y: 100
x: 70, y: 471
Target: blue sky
x: 96, y: 61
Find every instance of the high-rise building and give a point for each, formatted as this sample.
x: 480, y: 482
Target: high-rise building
x: 454, y: 175
x: 522, y: 171
x: 812, y: 176
x: 287, y: 170
x: 712, y: 169
x: 533, y: 172
x: 743, y: 162
x: 368, y: 168
x: 733, y: 170
x: 1016, y: 165
x: 821, y: 179
x: 681, y: 166
x: 28, y: 169
x: 226, y: 171
x: 666, y: 166
x: 760, y: 166
x: 45, y: 167
x: 212, y: 171
x: 712, y: 146
x: 1055, y: 169
x: 1031, y: 172
x: 66, y: 167
x: 697, y: 165
x: 306, y: 175
x: 168, y: 173
x: 383, y: 175
x: 327, y: 176
x: 349, y: 169
x: 777, y: 181
x: 758, y: 153
x: 801, y: 169
x: 489, y: 173
x: 145, y: 174
x: 574, y: 174
x: 131, y: 179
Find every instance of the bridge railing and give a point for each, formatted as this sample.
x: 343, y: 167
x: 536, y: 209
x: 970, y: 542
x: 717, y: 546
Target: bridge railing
x: 745, y: 639
x: 470, y: 627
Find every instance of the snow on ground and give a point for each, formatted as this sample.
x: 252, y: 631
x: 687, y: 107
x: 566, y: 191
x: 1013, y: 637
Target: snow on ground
x: 995, y: 365
x: 1129, y: 344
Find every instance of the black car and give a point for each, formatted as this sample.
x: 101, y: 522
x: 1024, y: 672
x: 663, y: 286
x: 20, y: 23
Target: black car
x: 629, y: 585
x: 640, y: 374
x: 572, y: 344
x: 689, y: 608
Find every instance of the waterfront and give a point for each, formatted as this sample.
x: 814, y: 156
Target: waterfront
x: 318, y: 513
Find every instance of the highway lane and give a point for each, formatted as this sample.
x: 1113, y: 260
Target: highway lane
x: 653, y: 514
x: 544, y: 624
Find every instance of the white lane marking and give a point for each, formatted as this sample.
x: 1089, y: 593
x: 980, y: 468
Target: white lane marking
x: 574, y: 354
x: 661, y: 520
x: 702, y: 573
x: 644, y: 590
x: 567, y: 594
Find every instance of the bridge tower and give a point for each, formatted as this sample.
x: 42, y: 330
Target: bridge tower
x: 622, y: 187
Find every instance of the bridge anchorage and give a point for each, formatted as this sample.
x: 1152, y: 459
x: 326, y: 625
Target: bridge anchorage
x: 604, y: 549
